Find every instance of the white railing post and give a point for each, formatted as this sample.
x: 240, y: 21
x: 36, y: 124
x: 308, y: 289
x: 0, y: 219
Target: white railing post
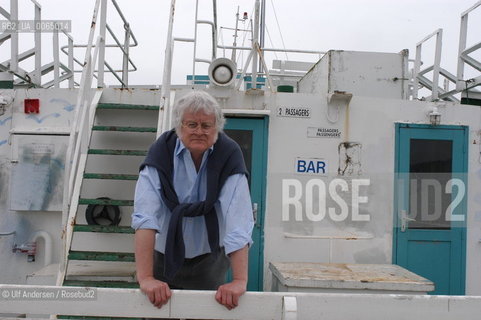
x: 102, y: 32
x: 56, y: 59
x: 38, y: 47
x: 437, y: 64
x: 289, y: 308
x: 195, y: 41
x: 166, y: 78
x: 71, y: 80
x: 436, y: 67
x: 125, y: 65
x: 14, y: 37
x: 463, y: 34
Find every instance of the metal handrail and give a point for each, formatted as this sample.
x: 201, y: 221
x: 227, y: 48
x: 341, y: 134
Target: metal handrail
x: 129, y: 35
x: 34, y: 77
x: 417, y: 72
x: 84, y: 114
x: 463, y: 58
x: 75, y: 139
x: 461, y: 84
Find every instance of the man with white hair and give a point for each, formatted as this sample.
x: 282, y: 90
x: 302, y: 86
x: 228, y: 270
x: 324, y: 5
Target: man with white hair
x: 192, y: 211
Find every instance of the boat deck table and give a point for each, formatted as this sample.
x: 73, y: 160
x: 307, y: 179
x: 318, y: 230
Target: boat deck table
x: 346, y: 278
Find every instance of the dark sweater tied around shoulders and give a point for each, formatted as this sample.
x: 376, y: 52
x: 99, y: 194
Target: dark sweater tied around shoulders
x: 225, y: 160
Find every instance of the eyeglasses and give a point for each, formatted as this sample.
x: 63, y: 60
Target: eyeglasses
x: 204, y: 126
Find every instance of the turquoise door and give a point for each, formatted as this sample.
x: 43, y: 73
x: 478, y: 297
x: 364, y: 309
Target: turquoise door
x: 251, y: 135
x: 430, y: 205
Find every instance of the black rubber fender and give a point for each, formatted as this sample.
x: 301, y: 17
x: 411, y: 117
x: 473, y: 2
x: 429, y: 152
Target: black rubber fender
x: 95, y: 213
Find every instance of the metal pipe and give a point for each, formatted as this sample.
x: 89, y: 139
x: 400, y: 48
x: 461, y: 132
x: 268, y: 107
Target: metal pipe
x: 38, y: 48
x: 48, y: 245
x: 234, y: 45
x: 165, y: 89
x: 274, y: 49
x: 437, y: 64
x: 214, y: 31
x: 262, y: 29
x: 14, y: 37
x: 71, y: 80
x: 195, y: 40
x: 125, y: 65
x: 255, y: 41
x: 2, y: 234
x: 125, y: 22
x: 102, y: 32
x: 56, y: 59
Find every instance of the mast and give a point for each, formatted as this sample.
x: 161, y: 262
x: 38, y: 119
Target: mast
x: 262, y: 30
x: 235, y: 35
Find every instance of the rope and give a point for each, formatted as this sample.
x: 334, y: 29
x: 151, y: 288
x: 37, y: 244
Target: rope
x: 279, y: 27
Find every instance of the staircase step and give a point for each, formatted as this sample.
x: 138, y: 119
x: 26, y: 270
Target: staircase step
x: 111, y: 176
x: 124, y: 129
x: 103, y: 242
x: 100, y: 271
x: 101, y: 256
x: 103, y: 229
x: 95, y: 318
x: 126, y: 106
x: 107, y: 202
x: 118, y: 152
x: 101, y: 284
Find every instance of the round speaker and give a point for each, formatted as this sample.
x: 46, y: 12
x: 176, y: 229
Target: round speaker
x: 222, y: 72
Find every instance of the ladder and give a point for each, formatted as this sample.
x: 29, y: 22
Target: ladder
x: 102, y: 255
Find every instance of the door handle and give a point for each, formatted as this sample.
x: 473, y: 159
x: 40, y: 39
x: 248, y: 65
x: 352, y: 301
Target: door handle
x: 404, y: 220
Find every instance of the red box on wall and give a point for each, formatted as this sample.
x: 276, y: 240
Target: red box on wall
x: 32, y: 105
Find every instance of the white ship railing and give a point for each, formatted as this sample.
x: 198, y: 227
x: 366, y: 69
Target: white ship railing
x: 420, y: 80
x: 464, y: 52
x: 184, y: 304
x: 62, y: 72
x: 129, y: 41
x: 34, y: 78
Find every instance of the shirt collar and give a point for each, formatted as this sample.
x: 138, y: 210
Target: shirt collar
x: 180, y: 147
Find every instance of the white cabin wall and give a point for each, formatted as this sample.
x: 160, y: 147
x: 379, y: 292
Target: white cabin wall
x: 57, y: 107
x: 371, y: 74
x: 372, y: 123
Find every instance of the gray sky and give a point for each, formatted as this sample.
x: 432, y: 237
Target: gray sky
x: 369, y: 25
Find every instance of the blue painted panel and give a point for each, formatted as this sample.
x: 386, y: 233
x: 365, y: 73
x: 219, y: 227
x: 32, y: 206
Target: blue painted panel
x: 436, y: 254
x: 257, y: 127
x: 428, y: 259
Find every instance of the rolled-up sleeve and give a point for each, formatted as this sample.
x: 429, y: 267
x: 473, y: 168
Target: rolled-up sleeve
x: 236, y: 206
x: 148, y: 203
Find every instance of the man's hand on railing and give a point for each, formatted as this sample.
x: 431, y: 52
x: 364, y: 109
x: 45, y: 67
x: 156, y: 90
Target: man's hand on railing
x: 157, y: 291
x: 228, y: 294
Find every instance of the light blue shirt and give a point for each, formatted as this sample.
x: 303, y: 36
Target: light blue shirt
x: 234, y: 208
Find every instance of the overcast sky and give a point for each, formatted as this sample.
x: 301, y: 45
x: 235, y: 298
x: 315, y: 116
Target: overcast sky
x: 368, y: 25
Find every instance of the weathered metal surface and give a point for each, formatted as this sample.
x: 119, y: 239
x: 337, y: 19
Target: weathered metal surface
x: 349, y: 276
